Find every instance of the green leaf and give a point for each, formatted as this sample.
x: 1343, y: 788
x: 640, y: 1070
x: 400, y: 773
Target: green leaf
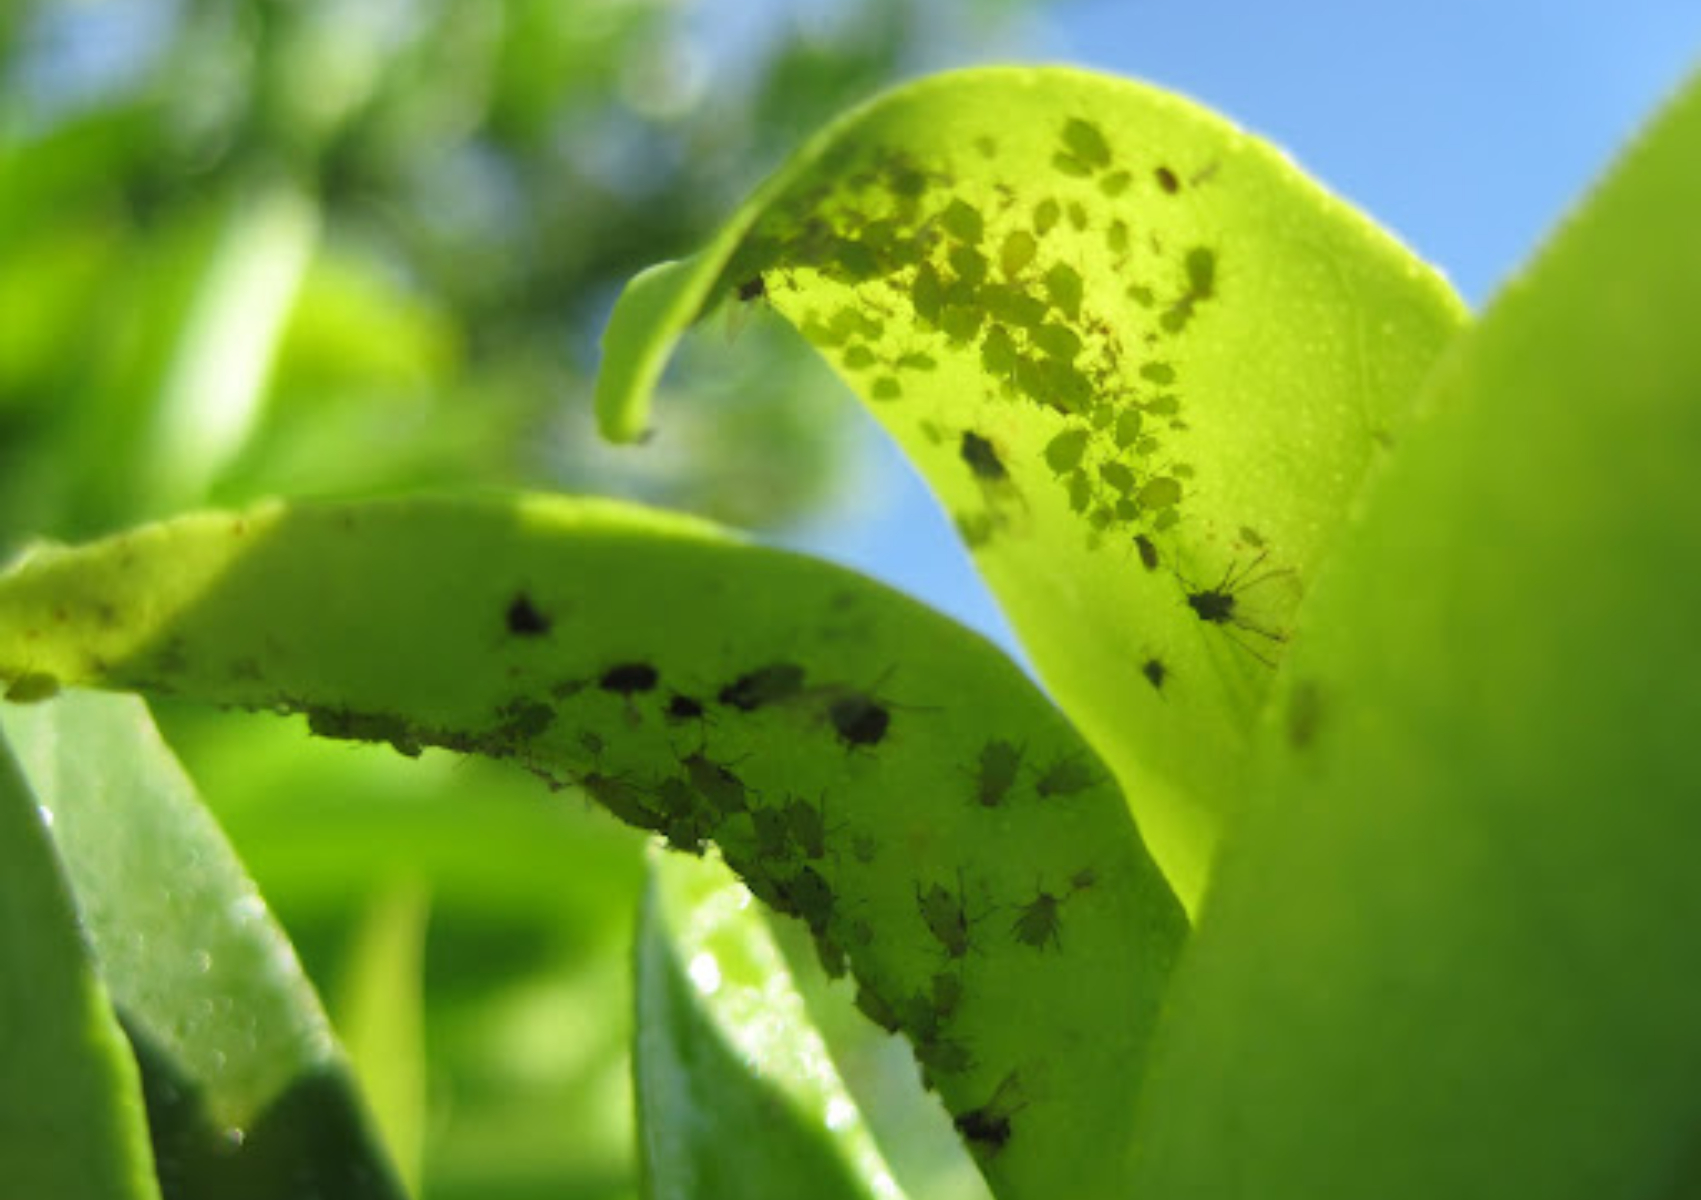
x: 1454, y: 953
x: 380, y: 1014
x: 246, y: 1093
x: 72, y: 1124
x: 1139, y: 357
x: 865, y: 764
x: 736, y: 1093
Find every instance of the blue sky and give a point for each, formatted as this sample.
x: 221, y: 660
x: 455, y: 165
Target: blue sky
x: 1466, y: 128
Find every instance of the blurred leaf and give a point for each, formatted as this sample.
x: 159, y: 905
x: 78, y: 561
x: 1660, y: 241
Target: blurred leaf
x: 72, y: 1123
x: 380, y: 1015
x: 865, y: 764
x: 1142, y: 360
x: 246, y: 1093
x: 736, y: 1094
x: 1453, y: 952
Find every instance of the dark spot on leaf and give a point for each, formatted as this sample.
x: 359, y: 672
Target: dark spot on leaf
x: 754, y: 288
x: 524, y: 619
x: 860, y: 720
x: 771, y: 684
x: 1155, y: 672
x: 628, y: 679
x: 982, y: 457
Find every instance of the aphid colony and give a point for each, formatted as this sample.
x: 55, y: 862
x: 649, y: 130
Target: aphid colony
x: 1061, y: 289
x: 791, y: 849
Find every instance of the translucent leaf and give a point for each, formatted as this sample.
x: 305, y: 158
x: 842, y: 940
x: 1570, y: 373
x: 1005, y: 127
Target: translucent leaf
x: 736, y: 1094
x: 1141, y: 359
x: 380, y: 1013
x: 867, y: 766
x: 246, y: 1091
x: 72, y: 1124
x: 1454, y: 953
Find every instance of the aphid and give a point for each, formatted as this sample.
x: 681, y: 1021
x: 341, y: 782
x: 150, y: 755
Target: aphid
x: 625, y: 800
x: 987, y: 1128
x: 863, y: 846
x: 999, y: 763
x: 754, y: 288
x: 723, y: 790
x: 947, y: 993
x: 808, y: 825
x: 1065, y: 777
x: 876, y: 1009
x: 524, y: 719
x: 860, y: 720
x: 32, y: 687
x: 683, y: 708
x: 945, y: 1056
x: 684, y: 822
x: 1219, y: 605
x: 524, y: 619
x: 1038, y: 922
x: 1155, y: 672
x: 945, y: 916
x: 628, y: 679
x: 810, y: 897
x: 1167, y: 180
x: 773, y: 835
x: 982, y: 458
x: 765, y: 685
x: 1148, y: 551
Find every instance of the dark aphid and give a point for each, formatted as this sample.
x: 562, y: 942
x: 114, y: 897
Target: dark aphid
x: 982, y: 458
x: 765, y: 685
x: 754, y: 288
x: 808, y: 825
x: 1038, y: 922
x: 1155, y: 672
x: 684, y: 821
x: 810, y: 897
x: 32, y: 687
x: 625, y: 800
x: 628, y: 679
x: 1065, y: 777
x: 1219, y: 605
x: 773, y: 834
x: 987, y: 1128
x: 1167, y: 180
x: 944, y: 1056
x: 1148, y: 551
x: 524, y: 619
x: 683, y: 708
x: 999, y: 763
x: 947, y: 994
x: 945, y: 917
x: 523, y: 719
x: 876, y: 1009
x: 860, y: 720
x: 720, y: 787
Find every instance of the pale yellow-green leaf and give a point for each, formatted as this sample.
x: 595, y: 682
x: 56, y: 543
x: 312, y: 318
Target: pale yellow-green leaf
x: 1138, y: 356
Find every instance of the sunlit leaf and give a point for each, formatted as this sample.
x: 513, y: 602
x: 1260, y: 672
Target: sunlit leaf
x: 72, y: 1124
x: 380, y: 1015
x: 866, y: 766
x: 246, y: 1092
x: 1454, y: 952
x: 724, y: 1049
x: 1142, y: 360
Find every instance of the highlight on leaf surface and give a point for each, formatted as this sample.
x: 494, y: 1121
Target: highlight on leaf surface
x: 828, y: 735
x: 1132, y: 349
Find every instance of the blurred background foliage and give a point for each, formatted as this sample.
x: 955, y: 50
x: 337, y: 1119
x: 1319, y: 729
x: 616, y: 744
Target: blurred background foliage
x: 315, y: 247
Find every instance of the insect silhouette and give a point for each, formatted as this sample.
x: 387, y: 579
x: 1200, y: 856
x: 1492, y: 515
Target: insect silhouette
x: 1220, y: 604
